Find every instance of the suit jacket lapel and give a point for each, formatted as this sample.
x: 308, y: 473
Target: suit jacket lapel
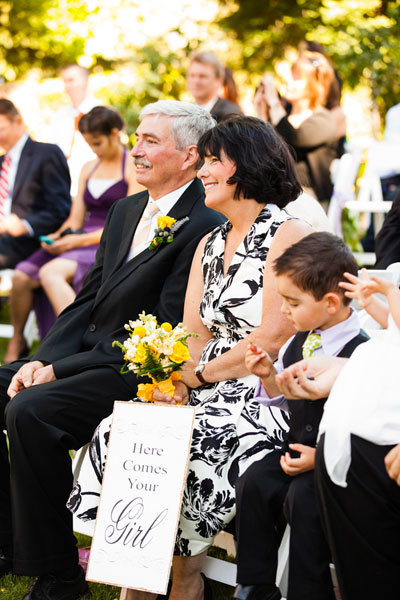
x: 23, y: 167
x: 180, y: 210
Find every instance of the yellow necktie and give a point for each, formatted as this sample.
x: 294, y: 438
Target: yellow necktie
x: 312, y: 342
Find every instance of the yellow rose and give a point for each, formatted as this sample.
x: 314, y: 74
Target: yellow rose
x: 180, y: 353
x: 164, y: 222
x: 145, y: 391
x: 141, y: 354
x: 166, y: 386
x: 140, y: 331
x: 166, y: 326
x: 154, y: 351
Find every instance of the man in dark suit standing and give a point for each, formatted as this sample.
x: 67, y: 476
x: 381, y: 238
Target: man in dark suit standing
x: 387, y: 242
x: 58, y: 397
x: 204, y: 80
x: 34, y: 188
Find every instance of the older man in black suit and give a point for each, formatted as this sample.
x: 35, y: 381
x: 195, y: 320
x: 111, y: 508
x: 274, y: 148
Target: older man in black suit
x: 58, y: 397
x: 34, y: 188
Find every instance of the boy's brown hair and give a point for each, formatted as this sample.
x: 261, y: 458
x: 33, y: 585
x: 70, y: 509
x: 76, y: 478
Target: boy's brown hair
x: 316, y: 264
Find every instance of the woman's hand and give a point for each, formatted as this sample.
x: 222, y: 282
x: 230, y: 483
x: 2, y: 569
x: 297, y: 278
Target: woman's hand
x: 62, y: 244
x: 270, y: 92
x: 310, y: 379
x: 295, y: 466
x: 260, y: 103
x: 181, y: 395
x: 359, y: 289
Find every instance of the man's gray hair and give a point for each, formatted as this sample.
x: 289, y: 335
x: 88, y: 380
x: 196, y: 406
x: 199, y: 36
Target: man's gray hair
x: 189, y: 120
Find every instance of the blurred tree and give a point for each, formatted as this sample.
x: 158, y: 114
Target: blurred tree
x: 361, y: 37
x: 157, y: 73
x: 38, y: 33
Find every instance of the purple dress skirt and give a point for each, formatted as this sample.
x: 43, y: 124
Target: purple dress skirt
x: 96, y: 213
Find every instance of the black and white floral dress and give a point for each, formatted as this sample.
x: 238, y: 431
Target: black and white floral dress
x: 231, y: 429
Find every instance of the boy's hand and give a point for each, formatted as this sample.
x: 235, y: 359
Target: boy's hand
x: 392, y: 463
x: 258, y: 361
x: 295, y: 466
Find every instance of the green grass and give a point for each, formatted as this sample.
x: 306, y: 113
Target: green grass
x: 13, y: 587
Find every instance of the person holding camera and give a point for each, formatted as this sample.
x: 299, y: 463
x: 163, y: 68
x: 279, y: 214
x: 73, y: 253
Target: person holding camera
x: 50, y: 278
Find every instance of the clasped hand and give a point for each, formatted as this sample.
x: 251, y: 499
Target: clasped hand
x: 32, y: 373
x: 13, y: 225
x: 181, y: 395
x: 296, y: 466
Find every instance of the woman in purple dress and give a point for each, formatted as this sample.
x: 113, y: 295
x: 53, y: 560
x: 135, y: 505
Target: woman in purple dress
x: 50, y: 278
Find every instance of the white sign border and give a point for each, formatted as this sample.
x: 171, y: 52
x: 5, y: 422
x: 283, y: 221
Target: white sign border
x: 170, y: 407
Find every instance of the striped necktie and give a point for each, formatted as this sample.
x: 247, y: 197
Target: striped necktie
x: 311, y: 343
x: 143, y: 228
x: 4, y: 184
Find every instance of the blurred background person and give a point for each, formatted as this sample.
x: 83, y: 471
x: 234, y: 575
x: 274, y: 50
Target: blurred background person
x: 390, y: 177
x: 309, y: 127
x: 205, y: 77
x: 64, y: 130
x: 34, y: 188
x: 334, y: 97
x: 60, y: 266
x: 229, y: 89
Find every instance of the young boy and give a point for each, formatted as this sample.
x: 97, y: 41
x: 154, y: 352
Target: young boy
x: 307, y: 277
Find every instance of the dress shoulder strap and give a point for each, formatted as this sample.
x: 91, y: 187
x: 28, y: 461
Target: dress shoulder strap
x: 93, y: 170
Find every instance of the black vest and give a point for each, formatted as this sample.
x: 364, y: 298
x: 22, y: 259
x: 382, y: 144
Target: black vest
x: 305, y: 415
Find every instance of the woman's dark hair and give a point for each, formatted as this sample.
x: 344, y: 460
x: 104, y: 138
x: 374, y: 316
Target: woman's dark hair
x: 265, y: 168
x: 100, y: 120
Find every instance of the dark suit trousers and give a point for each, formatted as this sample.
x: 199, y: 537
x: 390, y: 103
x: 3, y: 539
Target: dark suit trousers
x: 15, y: 249
x: 362, y: 523
x: 43, y: 423
x: 261, y: 493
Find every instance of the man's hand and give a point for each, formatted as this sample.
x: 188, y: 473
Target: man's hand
x: 392, y: 463
x: 310, y: 379
x: 32, y: 373
x: 181, y: 395
x: 13, y: 225
x: 295, y: 466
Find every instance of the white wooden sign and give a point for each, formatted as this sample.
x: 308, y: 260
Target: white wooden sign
x: 141, y: 496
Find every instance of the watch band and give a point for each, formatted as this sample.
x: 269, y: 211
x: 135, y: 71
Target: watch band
x: 198, y: 371
x: 200, y: 377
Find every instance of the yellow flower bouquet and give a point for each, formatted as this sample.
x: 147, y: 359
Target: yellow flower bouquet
x: 155, y: 351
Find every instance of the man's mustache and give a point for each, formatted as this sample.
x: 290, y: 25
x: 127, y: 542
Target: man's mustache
x: 141, y: 162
